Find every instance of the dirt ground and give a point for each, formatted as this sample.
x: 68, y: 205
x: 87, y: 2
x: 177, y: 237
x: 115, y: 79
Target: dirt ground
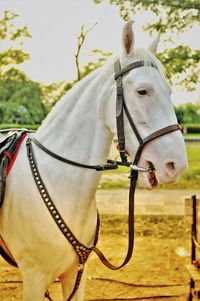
x: 157, y: 269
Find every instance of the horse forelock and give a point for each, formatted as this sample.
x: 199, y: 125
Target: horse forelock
x: 147, y: 57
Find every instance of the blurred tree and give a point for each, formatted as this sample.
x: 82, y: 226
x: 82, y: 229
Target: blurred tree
x: 188, y: 113
x: 20, y: 97
x: 182, y: 65
x: 170, y: 14
x: 12, y: 55
x: 53, y: 92
x: 99, y: 57
x: 170, y: 18
x: 80, y: 41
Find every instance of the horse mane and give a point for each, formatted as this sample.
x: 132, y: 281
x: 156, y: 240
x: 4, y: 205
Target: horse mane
x: 75, y: 93
x: 149, y: 58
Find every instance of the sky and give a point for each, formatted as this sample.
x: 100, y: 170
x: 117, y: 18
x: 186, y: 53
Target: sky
x: 55, y: 25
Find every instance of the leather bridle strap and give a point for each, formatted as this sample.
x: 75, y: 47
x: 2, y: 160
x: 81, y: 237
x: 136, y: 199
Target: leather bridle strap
x: 120, y: 115
x: 80, y: 249
x: 159, y: 133
x: 120, y: 72
x: 133, y: 181
x: 109, y: 166
x: 121, y: 106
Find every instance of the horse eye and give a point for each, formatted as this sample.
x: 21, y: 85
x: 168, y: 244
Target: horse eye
x: 142, y: 92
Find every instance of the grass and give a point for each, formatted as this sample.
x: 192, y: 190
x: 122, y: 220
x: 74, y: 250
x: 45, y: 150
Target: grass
x: 18, y: 126
x: 118, y: 179
x: 191, y: 178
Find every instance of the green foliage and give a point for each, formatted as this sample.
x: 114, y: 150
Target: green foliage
x: 10, y: 126
x: 12, y: 55
x: 99, y: 57
x: 170, y: 16
x: 7, y: 29
x: 20, y: 99
x: 182, y: 65
x: 190, y: 179
x: 53, y: 92
x: 188, y: 113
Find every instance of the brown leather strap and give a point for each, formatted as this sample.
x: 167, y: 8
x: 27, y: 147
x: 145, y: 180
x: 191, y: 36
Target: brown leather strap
x: 130, y: 67
x: 80, y: 249
x: 120, y: 114
x: 5, y: 253
x: 132, y: 124
x: 100, y: 167
x: 161, y: 132
x: 133, y: 181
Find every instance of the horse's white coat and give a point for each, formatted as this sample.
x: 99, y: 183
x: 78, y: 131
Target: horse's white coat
x: 81, y: 128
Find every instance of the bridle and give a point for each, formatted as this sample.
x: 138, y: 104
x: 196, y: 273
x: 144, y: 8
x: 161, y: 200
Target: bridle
x: 121, y: 107
x: 81, y: 250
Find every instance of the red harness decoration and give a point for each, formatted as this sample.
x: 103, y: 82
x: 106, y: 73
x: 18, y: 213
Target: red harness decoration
x: 13, y: 158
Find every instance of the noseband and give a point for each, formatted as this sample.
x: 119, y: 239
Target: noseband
x: 81, y: 250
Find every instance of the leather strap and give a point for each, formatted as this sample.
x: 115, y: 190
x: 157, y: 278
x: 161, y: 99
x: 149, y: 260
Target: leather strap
x: 80, y: 249
x: 134, y: 65
x: 166, y: 130
x: 133, y: 181
x: 120, y: 114
x: 111, y: 165
x: 5, y: 253
x: 133, y: 126
x: 159, y: 133
x: 121, y: 106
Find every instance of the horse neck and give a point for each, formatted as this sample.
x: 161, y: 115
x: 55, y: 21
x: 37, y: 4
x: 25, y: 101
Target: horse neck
x: 76, y: 128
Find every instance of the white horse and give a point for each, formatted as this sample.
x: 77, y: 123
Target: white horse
x: 81, y: 128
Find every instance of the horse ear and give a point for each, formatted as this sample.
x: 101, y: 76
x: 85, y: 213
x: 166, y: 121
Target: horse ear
x: 153, y: 46
x: 128, y: 37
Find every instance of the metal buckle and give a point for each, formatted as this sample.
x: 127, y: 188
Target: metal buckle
x: 140, y: 168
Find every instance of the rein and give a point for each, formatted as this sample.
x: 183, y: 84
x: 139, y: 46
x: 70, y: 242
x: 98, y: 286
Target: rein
x: 110, y: 165
x: 81, y: 250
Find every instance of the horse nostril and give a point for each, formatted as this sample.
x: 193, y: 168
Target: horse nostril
x: 170, y: 168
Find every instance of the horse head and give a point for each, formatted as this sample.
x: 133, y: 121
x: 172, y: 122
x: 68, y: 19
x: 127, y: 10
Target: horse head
x: 146, y: 95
